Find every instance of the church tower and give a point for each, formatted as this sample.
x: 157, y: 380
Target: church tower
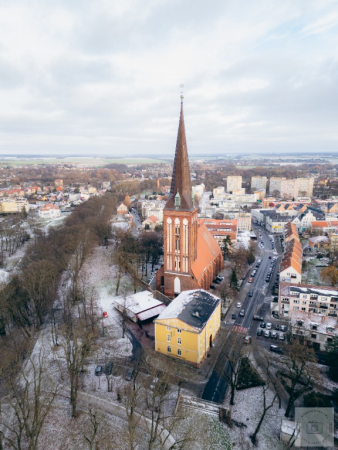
x: 180, y: 222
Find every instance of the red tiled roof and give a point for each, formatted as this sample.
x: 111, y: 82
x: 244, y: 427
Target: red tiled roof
x: 207, y: 251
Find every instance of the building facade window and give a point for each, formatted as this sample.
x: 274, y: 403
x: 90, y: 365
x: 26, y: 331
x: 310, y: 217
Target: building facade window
x: 179, y: 340
x: 179, y: 352
x: 179, y: 330
x: 313, y: 336
x: 168, y: 338
x: 169, y: 349
x: 168, y: 328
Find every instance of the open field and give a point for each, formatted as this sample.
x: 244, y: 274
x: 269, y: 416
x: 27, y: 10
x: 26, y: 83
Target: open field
x: 78, y: 161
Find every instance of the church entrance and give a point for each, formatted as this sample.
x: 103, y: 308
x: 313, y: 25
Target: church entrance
x: 177, y: 286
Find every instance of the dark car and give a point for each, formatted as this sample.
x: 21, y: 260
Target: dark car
x: 276, y: 326
x: 212, y: 287
x: 219, y: 278
x: 269, y: 257
x: 233, y: 316
x: 250, y: 294
x: 262, y: 325
x: 129, y: 374
x: 258, y: 318
x: 108, y: 368
x: 98, y: 371
x: 267, y: 279
x: 259, y: 332
x: 276, y: 349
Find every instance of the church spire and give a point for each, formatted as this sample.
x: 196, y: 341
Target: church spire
x: 180, y: 182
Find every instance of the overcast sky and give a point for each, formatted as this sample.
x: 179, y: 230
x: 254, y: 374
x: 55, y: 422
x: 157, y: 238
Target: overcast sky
x: 101, y: 77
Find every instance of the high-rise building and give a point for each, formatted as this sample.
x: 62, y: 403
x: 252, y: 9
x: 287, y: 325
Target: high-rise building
x: 234, y: 183
x: 305, y: 187
x: 275, y: 186
x: 258, y: 183
x: 192, y: 257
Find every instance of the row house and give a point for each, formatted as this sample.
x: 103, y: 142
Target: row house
x: 290, y: 269
x: 303, y: 221
x: 307, y: 298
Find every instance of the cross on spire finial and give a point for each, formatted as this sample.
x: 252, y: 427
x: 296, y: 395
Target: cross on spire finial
x: 182, y: 86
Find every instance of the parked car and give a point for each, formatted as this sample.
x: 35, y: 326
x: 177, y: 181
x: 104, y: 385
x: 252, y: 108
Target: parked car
x: 98, y: 371
x: 247, y: 340
x: 212, y: 287
x: 274, y: 334
x: 267, y: 333
x: 277, y: 326
x: 268, y: 326
x: 233, y: 316
x: 259, y: 332
x: 250, y: 280
x: 242, y: 313
x: 257, y: 318
x: 276, y: 349
x: 238, y: 304
x: 220, y: 278
x: 129, y: 374
x: 283, y: 328
x: 281, y: 337
x: 262, y: 325
x: 267, y: 279
x: 250, y: 294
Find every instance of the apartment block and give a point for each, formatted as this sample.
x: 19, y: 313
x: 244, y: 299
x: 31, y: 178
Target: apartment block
x: 276, y: 186
x: 305, y: 187
x: 258, y: 183
x: 307, y: 298
x: 234, y: 183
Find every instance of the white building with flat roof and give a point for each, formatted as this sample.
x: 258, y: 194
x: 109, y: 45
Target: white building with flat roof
x: 234, y: 183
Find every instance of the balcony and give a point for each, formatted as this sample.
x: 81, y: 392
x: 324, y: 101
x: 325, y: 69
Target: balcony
x: 323, y: 306
x: 285, y: 300
x: 313, y: 304
x: 313, y: 297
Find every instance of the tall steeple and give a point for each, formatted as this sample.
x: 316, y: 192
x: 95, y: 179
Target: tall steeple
x: 181, y: 183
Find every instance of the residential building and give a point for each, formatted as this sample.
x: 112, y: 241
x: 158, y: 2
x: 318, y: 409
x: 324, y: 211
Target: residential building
x: 58, y: 183
x: 219, y: 192
x: 289, y: 189
x: 49, y: 211
x: 192, y: 257
x: 243, y: 222
x: 188, y: 327
x: 320, y: 227
x: 275, y: 187
x: 321, y: 300
x: 305, y: 187
x: 122, y: 209
x: 333, y: 242
x: 258, y: 183
x: 198, y: 190
x: 321, y: 243
x: 234, y: 183
x: 220, y: 229
x: 318, y: 330
x: 303, y: 220
x: 151, y: 221
x: 290, y: 269
x: 13, y: 205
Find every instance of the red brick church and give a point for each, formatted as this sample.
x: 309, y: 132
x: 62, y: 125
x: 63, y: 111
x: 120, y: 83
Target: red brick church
x: 192, y: 257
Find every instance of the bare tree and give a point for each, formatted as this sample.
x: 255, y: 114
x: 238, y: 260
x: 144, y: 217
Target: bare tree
x: 29, y: 399
x: 297, y: 374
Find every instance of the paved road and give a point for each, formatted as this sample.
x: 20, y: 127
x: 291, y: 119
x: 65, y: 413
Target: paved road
x: 259, y: 303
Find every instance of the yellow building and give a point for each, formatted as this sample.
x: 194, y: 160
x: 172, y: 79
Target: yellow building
x: 13, y: 205
x: 187, y: 328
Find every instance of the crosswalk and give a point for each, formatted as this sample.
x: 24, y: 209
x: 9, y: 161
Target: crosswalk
x: 240, y: 330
